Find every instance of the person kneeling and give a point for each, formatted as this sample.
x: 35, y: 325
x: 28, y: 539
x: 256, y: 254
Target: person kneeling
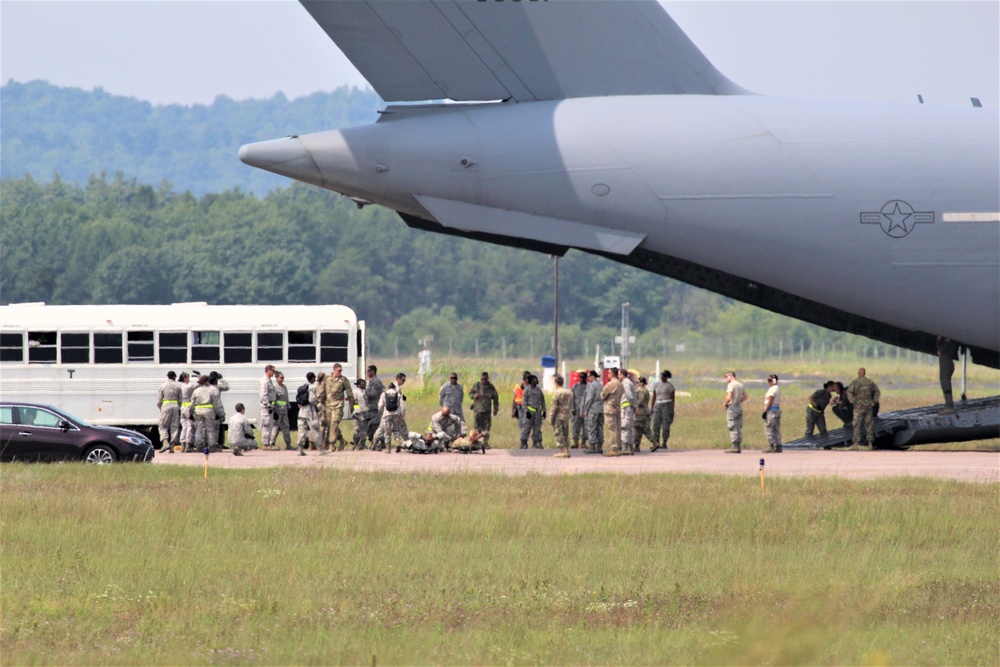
x: 447, y: 427
x: 240, y: 432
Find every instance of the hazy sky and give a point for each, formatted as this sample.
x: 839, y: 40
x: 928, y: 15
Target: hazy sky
x: 184, y: 51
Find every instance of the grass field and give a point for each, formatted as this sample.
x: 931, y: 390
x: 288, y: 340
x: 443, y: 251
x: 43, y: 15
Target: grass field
x: 156, y: 565
x: 140, y: 564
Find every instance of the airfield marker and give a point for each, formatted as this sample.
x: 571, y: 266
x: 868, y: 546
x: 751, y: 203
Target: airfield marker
x: 761, y: 474
x: 206, y: 462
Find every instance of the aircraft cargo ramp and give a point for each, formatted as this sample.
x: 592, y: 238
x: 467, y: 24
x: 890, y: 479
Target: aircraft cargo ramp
x: 977, y: 419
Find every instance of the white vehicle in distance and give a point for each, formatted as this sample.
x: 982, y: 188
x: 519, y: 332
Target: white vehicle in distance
x: 106, y: 363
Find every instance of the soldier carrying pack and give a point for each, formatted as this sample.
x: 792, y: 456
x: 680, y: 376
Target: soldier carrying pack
x: 302, y: 395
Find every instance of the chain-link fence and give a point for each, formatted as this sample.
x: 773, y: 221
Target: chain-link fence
x: 585, y: 349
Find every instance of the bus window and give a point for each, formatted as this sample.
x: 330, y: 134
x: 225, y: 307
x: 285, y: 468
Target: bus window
x: 302, y: 346
x: 333, y: 347
x: 204, y: 346
x: 270, y: 346
x: 173, y: 347
x: 74, y: 348
x: 140, y: 346
x: 41, y: 347
x: 237, y: 348
x: 107, y: 348
x: 11, y: 346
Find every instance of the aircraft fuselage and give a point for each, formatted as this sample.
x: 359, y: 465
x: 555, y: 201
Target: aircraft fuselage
x: 886, y: 212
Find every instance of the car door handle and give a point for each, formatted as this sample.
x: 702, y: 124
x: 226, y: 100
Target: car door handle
x: 25, y: 433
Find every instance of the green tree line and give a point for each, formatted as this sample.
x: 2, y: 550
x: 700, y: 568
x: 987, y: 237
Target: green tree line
x: 74, y: 133
x: 117, y: 240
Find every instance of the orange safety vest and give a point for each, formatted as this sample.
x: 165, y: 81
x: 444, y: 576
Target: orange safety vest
x: 518, y: 394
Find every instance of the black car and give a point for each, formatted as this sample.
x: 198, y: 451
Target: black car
x: 38, y: 432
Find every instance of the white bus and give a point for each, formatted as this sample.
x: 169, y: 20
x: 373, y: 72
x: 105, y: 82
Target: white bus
x: 105, y: 363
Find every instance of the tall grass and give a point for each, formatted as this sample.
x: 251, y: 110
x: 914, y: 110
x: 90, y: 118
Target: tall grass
x: 156, y: 565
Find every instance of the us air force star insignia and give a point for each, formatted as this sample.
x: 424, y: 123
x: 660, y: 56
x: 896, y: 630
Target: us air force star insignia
x: 897, y: 218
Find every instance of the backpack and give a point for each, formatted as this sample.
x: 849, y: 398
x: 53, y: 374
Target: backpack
x: 391, y: 401
x: 302, y: 395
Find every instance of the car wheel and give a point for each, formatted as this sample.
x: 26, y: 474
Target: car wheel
x: 100, y: 455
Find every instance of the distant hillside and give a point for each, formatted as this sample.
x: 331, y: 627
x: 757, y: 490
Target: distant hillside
x: 76, y: 133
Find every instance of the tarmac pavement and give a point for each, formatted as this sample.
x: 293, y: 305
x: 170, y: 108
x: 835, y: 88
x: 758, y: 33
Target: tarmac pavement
x: 981, y: 467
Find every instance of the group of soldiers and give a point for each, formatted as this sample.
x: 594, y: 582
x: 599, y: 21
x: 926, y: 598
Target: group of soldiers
x: 620, y: 407
x: 856, y: 405
x: 378, y: 412
x: 618, y: 413
x: 191, y: 412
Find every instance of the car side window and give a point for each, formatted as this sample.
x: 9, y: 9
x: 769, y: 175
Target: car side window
x: 46, y: 419
x: 6, y: 415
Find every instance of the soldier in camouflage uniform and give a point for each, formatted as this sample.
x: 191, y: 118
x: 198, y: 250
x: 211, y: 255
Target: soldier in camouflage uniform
x: 373, y: 392
x: 168, y: 400
x: 534, y: 414
x: 324, y: 425
x: 579, y: 421
x: 280, y: 423
x: 219, y: 385
x: 308, y: 425
x: 664, y: 394
x: 266, y: 393
x: 361, y: 414
x: 816, y: 408
x: 187, y: 418
x: 772, y: 415
x: 447, y: 427
x: 240, y: 432
x: 842, y: 407
x: 390, y: 406
x: 593, y: 412
x: 863, y: 394
x: 401, y: 428
x: 611, y: 397
x: 736, y: 395
x: 628, y: 413
x: 452, y: 395
x: 208, y: 411
x: 468, y: 444
x: 517, y: 406
x: 643, y: 415
x: 335, y: 391
x: 485, y: 405
x: 947, y: 351
x: 562, y: 409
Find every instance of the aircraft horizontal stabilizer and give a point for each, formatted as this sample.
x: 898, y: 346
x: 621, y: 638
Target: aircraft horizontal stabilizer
x: 468, y: 50
x: 501, y: 222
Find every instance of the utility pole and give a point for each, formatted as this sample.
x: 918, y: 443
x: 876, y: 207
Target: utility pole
x: 555, y: 318
x: 624, y: 339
